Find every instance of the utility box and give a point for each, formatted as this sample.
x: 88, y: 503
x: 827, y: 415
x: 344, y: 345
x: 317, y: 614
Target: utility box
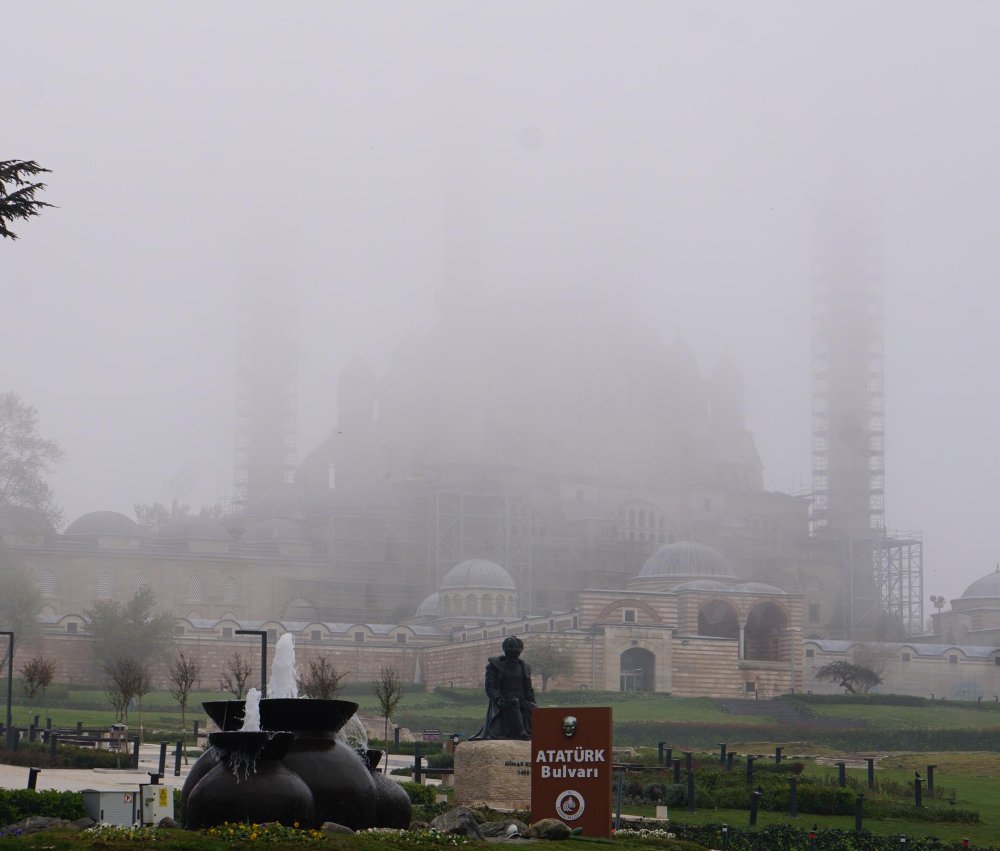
x: 110, y: 807
x: 157, y: 802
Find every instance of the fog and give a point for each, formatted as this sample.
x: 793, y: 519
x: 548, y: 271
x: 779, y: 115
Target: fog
x: 371, y: 160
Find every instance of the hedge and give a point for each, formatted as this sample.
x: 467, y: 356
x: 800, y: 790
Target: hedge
x: 18, y: 804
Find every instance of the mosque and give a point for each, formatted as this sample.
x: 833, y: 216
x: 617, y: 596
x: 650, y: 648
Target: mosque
x: 529, y: 465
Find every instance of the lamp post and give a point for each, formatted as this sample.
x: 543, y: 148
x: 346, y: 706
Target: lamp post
x: 10, y: 686
x: 263, y: 655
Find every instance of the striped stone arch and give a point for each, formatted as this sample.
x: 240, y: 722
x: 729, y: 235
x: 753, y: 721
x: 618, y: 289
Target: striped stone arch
x: 638, y: 605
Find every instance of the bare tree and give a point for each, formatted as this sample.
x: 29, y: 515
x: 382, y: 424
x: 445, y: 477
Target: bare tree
x: 549, y: 658
x: 236, y: 675
x: 388, y: 693
x: 142, y: 687
x: 183, y: 674
x: 126, y: 679
x: 36, y: 676
x: 322, y: 681
x: 17, y: 193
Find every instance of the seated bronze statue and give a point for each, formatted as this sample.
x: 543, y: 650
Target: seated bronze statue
x: 508, y: 686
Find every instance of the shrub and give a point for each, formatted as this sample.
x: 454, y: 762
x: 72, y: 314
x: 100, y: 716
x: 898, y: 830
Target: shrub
x: 67, y: 756
x: 18, y: 804
x: 419, y: 794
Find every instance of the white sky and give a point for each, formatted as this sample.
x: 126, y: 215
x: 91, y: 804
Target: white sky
x: 675, y: 155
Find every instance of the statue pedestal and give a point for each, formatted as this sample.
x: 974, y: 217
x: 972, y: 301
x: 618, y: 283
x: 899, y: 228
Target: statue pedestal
x: 496, y: 772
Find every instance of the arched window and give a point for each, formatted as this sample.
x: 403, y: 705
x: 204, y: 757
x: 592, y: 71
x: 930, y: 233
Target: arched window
x: 636, y: 670
x: 229, y: 589
x: 486, y: 604
x: 501, y: 609
x: 471, y: 605
x: 764, y: 633
x: 47, y: 584
x: 194, y: 589
x: 104, y: 586
x: 718, y: 619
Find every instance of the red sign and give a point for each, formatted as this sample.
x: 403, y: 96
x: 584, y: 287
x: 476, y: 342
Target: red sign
x: 571, y: 767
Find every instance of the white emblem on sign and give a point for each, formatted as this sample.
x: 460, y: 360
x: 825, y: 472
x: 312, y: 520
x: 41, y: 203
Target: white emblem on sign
x: 127, y: 798
x: 569, y: 805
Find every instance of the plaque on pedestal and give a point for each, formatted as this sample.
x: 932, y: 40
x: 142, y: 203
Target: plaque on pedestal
x: 495, y: 772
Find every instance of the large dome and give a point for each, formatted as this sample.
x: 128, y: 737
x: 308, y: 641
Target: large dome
x: 986, y: 586
x: 477, y: 573
x: 686, y: 559
x: 101, y: 523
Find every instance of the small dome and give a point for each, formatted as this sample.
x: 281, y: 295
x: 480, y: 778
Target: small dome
x: 430, y: 607
x: 986, y: 586
x: 20, y: 518
x: 275, y: 531
x: 477, y: 573
x: 192, y: 528
x: 100, y: 523
x: 686, y: 558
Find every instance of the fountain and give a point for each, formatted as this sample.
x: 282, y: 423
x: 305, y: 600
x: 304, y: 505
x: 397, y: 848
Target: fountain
x: 271, y: 749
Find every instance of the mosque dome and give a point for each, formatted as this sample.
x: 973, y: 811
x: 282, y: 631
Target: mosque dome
x: 277, y: 530
x: 986, y: 586
x: 102, y: 524
x: 686, y: 558
x: 193, y: 528
x: 477, y: 573
x: 430, y: 607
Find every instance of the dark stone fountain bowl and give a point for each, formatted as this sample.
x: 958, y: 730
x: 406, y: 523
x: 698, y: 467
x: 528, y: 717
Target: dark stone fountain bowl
x: 227, y: 714
x: 284, y: 713
x: 265, y: 746
x: 293, y: 713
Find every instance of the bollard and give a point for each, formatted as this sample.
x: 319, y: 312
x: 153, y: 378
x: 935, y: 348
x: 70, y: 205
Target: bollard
x: 48, y: 723
x: 725, y: 837
x: 730, y: 759
x: 33, y: 777
x: 163, y: 759
x: 154, y: 778
x: 195, y: 728
x: 687, y: 761
x: 722, y: 753
x: 53, y: 741
x: 750, y: 760
x: 135, y: 752
x: 871, y: 772
x: 754, y: 801
x: 841, y: 774
x: 37, y: 721
x: 33, y: 730
x: 668, y: 757
x: 902, y: 841
x: 417, y: 773
x: 178, y: 753
x: 677, y: 771
x: 858, y: 804
x: 918, y: 793
x: 395, y: 738
x: 777, y: 755
x: 812, y: 839
x: 659, y: 752
x: 690, y: 792
x: 930, y: 780
x: 793, y: 800
x: 79, y: 728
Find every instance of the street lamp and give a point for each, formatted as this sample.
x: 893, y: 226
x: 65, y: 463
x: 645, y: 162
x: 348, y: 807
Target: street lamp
x: 263, y: 655
x: 10, y: 686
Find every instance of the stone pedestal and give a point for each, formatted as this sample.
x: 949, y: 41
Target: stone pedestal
x: 496, y: 772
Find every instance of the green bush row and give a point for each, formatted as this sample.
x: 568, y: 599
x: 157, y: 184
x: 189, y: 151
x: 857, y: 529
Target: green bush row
x: 18, y: 804
x: 67, y: 756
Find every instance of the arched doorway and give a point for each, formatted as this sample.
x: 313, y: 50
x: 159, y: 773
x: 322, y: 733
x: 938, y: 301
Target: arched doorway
x: 637, y: 667
x: 766, y: 625
x: 718, y: 619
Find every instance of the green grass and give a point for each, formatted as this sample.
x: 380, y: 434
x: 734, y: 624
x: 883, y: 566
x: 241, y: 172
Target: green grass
x: 947, y: 716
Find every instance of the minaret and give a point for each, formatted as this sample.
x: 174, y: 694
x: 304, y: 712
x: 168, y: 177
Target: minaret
x: 848, y: 439
x: 266, y: 403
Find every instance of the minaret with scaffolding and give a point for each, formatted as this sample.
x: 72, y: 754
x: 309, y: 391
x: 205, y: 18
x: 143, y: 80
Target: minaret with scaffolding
x: 266, y: 401
x: 881, y: 573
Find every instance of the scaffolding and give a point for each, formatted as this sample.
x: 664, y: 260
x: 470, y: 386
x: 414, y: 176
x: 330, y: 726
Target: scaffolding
x: 266, y: 399
x: 899, y: 575
x: 475, y: 524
